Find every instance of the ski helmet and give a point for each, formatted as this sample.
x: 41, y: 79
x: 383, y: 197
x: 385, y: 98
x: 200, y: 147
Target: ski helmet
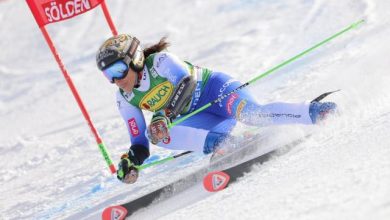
x: 121, y: 47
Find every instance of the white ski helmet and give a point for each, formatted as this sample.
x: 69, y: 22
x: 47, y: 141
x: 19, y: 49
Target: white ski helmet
x: 121, y: 47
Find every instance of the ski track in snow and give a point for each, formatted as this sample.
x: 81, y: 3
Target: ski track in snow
x: 51, y: 167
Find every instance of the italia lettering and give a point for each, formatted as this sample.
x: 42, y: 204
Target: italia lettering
x: 197, y: 93
x: 157, y: 97
x: 59, y: 11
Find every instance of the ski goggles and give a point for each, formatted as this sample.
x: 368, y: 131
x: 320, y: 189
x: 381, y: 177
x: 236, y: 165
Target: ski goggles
x: 117, y: 70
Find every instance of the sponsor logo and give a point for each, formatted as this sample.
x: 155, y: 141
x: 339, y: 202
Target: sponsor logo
x: 144, y: 77
x: 218, y: 181
x: 62, y: 9
x: 103, y: 55
x: 157, y: 97
x: 145, y: 81
x: 153, y: 72
x: 117, y: 42
x: 240, y: 107
x: 145, y: 106
x: 170, y: 75
x: 160, y: 59
x: 133, y: 127
x: 117, y: 214
x: 128, y: 95
x: 222, y: 90
x: 167, y: 140
x: 196, y: 95
x: 114, y: 213
x: 278, y: 115
x: 230, y: 103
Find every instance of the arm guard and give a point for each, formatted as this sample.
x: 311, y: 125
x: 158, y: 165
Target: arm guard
x: 181, y: 96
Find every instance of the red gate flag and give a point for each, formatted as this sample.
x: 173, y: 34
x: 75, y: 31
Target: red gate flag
x: 50, y: 11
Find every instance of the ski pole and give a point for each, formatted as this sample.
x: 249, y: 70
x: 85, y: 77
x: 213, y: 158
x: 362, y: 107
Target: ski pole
x: 352, y: 26
x: 141, y: 167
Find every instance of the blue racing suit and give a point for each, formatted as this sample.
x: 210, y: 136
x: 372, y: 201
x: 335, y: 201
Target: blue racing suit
x: 201, y: 132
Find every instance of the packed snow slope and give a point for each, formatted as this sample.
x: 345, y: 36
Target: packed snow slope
x: 51, y: 167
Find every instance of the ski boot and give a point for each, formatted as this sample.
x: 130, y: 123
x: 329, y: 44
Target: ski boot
x: 318, y: 111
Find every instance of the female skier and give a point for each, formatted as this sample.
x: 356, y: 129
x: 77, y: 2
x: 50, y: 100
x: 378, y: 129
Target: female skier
x: 153, y: 80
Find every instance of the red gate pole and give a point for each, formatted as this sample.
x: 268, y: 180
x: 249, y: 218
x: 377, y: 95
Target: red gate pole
x: 46, y: 12
x: 76, y: 95
x: 108, y: 18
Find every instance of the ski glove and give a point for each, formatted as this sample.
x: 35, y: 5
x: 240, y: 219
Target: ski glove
x: 127, y: 172
x: 158, y: 128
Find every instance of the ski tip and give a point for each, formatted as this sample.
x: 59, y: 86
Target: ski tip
x: 114, y: 213
x: 216, y: 181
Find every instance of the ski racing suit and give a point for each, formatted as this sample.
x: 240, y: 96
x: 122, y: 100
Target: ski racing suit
x: 162, y: 76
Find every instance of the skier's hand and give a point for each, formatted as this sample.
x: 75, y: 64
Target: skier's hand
x: 158, y: 128
x: 127, y: 172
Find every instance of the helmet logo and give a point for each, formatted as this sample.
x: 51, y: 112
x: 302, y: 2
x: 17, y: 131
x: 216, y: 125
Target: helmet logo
x: 121, y: 47
x: 119, y: 42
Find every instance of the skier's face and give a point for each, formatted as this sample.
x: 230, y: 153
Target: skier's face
x: 127, y: 83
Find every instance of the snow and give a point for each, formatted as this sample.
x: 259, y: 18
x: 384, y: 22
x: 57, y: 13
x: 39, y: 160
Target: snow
x: 51, y: 167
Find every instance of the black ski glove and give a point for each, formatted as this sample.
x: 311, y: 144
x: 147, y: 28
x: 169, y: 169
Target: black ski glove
x: 127, y: 171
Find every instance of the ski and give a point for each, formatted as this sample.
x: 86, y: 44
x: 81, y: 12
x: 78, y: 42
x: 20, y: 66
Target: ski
x: 218, y: 179
x: 120, y: 212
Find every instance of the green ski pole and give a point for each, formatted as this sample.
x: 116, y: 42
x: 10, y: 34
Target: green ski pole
x: 141, y: 167
x: 352, y: 26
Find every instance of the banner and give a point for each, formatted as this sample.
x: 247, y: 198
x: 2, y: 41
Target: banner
x: 50, y: 11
